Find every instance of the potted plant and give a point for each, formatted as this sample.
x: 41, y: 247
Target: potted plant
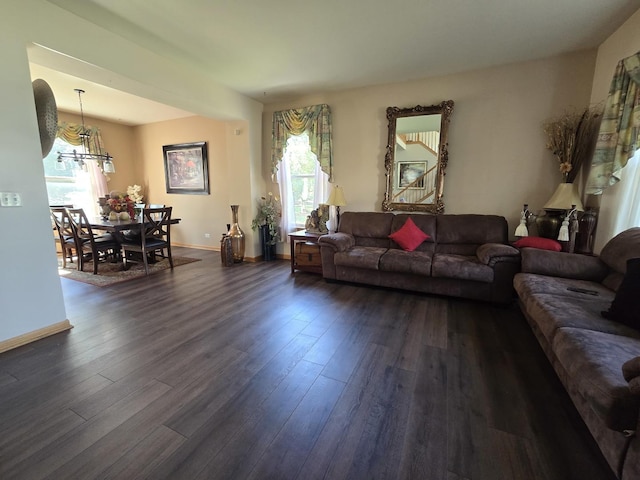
x: 267, y: 220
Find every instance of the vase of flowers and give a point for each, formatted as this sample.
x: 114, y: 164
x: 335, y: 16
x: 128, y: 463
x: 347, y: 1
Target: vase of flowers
x: 267, y: 220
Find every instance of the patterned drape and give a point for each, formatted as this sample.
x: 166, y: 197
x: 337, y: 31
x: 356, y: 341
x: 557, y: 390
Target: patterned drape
x: 316, y: 120
x: 618, y: 138
x: 70, y: 133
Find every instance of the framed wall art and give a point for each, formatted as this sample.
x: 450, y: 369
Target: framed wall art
x: 186, y: 168
x: 411, y: 174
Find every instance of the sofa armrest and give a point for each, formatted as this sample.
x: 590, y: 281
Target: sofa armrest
x: 339, y: 242
x: 631, y: 373
x: 492, y: 253
x: 564, y: 265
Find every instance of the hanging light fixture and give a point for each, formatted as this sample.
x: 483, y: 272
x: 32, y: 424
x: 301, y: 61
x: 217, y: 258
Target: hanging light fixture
x: 104, y: 159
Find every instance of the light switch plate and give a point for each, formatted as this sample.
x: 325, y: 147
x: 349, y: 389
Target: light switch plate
x: 10, y: 199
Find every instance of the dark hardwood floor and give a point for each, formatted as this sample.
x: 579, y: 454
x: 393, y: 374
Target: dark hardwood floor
x: 207, y: 372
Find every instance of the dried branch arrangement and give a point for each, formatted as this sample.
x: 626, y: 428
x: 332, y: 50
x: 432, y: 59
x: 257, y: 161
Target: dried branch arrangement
x: 572, y: 137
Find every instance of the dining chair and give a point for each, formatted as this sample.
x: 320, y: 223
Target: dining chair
x: 66, y: 237
x: 155, y: 237
x: 138, y: 207
x: 88, y: 245
x: 158, y: 205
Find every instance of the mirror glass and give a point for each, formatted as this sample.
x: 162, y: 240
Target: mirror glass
x: 416, y: 158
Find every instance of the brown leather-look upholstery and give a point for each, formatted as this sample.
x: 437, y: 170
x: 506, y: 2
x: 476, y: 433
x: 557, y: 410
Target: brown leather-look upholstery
x: 465, y: 255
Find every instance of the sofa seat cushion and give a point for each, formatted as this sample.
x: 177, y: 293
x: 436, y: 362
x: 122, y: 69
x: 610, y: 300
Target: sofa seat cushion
x: 556, y: 307
x: 552, y: 312
x: 529, y: 283
x: 594, y: 362
x: 360, y: 257
x: 396, y: 260
x: 461, y: 267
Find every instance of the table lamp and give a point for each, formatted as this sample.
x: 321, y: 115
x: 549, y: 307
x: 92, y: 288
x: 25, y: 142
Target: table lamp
x: 336, y: 198
x: 564, y: 198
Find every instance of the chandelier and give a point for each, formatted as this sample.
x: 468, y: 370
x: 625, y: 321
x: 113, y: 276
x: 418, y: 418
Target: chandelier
x: 104, y: 159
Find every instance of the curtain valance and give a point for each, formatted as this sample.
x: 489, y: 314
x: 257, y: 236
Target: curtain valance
x: 618, y: 137
x: 71, y: 133
x: 316, y: 121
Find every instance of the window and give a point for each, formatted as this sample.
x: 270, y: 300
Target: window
x: 303, y: 184
x: 627, y: 212
x: 67, y: 184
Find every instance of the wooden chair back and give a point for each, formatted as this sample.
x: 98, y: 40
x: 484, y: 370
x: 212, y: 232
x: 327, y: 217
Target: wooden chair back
x: 66, y: 237
x: 155, y: 205
x: 86, y: 243
x: 60, y: 218
x: 80, y: 225
x: 157, y: 223
x: 155, y: 237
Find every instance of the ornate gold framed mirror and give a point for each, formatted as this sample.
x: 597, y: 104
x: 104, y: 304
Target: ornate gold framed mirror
x: 416, y: 158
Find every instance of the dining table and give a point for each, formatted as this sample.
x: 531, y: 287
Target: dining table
x: 116, y: 226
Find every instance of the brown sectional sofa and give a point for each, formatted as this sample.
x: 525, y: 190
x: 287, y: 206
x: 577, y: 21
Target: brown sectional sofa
x: 467, y: 255
x: 587, y: 351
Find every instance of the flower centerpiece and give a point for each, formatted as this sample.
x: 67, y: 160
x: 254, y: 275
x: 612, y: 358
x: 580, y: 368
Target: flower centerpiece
x: 119, y: 204
x: 268, y: 216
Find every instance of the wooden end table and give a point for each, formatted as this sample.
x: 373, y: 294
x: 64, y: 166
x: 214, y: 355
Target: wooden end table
x: 305, y: 252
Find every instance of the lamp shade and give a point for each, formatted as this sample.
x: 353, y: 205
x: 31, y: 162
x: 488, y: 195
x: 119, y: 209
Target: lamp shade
x: 336, y: 197
x: 564, y: 197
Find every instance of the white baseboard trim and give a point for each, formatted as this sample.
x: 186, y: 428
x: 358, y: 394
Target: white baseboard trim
x: 29, y: 337
x: 197, y: 247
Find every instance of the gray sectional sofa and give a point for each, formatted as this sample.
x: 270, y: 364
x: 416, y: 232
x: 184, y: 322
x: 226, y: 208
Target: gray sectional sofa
x: 466, y: 255
x: 598, y: 360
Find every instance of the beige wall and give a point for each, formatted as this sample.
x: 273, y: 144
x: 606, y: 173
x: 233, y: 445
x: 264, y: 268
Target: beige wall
x: 623, y: 43
x: 498, y: 159
x: 200, y: 214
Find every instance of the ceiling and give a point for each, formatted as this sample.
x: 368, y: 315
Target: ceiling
x: 103, y: 102
x: 277, y: 49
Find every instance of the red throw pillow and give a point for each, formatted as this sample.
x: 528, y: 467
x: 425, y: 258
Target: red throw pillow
x: 409, y: 236
x: 538, y: 242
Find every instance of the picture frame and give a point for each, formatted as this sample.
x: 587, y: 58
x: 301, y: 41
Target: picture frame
x: 186, y: 168
x: 409, y: 172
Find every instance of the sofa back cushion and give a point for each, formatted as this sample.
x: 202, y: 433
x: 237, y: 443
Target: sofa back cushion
x: 621, y: 248
x: 370, y: 229
x: 463, y: 234
x: 426, y: 223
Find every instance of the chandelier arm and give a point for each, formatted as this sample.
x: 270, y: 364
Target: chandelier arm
x: 104, y: 160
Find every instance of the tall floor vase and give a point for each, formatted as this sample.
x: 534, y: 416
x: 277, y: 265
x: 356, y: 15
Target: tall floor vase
x: 237, y: 236
x: 587, y: 224
x: 268, y: 250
